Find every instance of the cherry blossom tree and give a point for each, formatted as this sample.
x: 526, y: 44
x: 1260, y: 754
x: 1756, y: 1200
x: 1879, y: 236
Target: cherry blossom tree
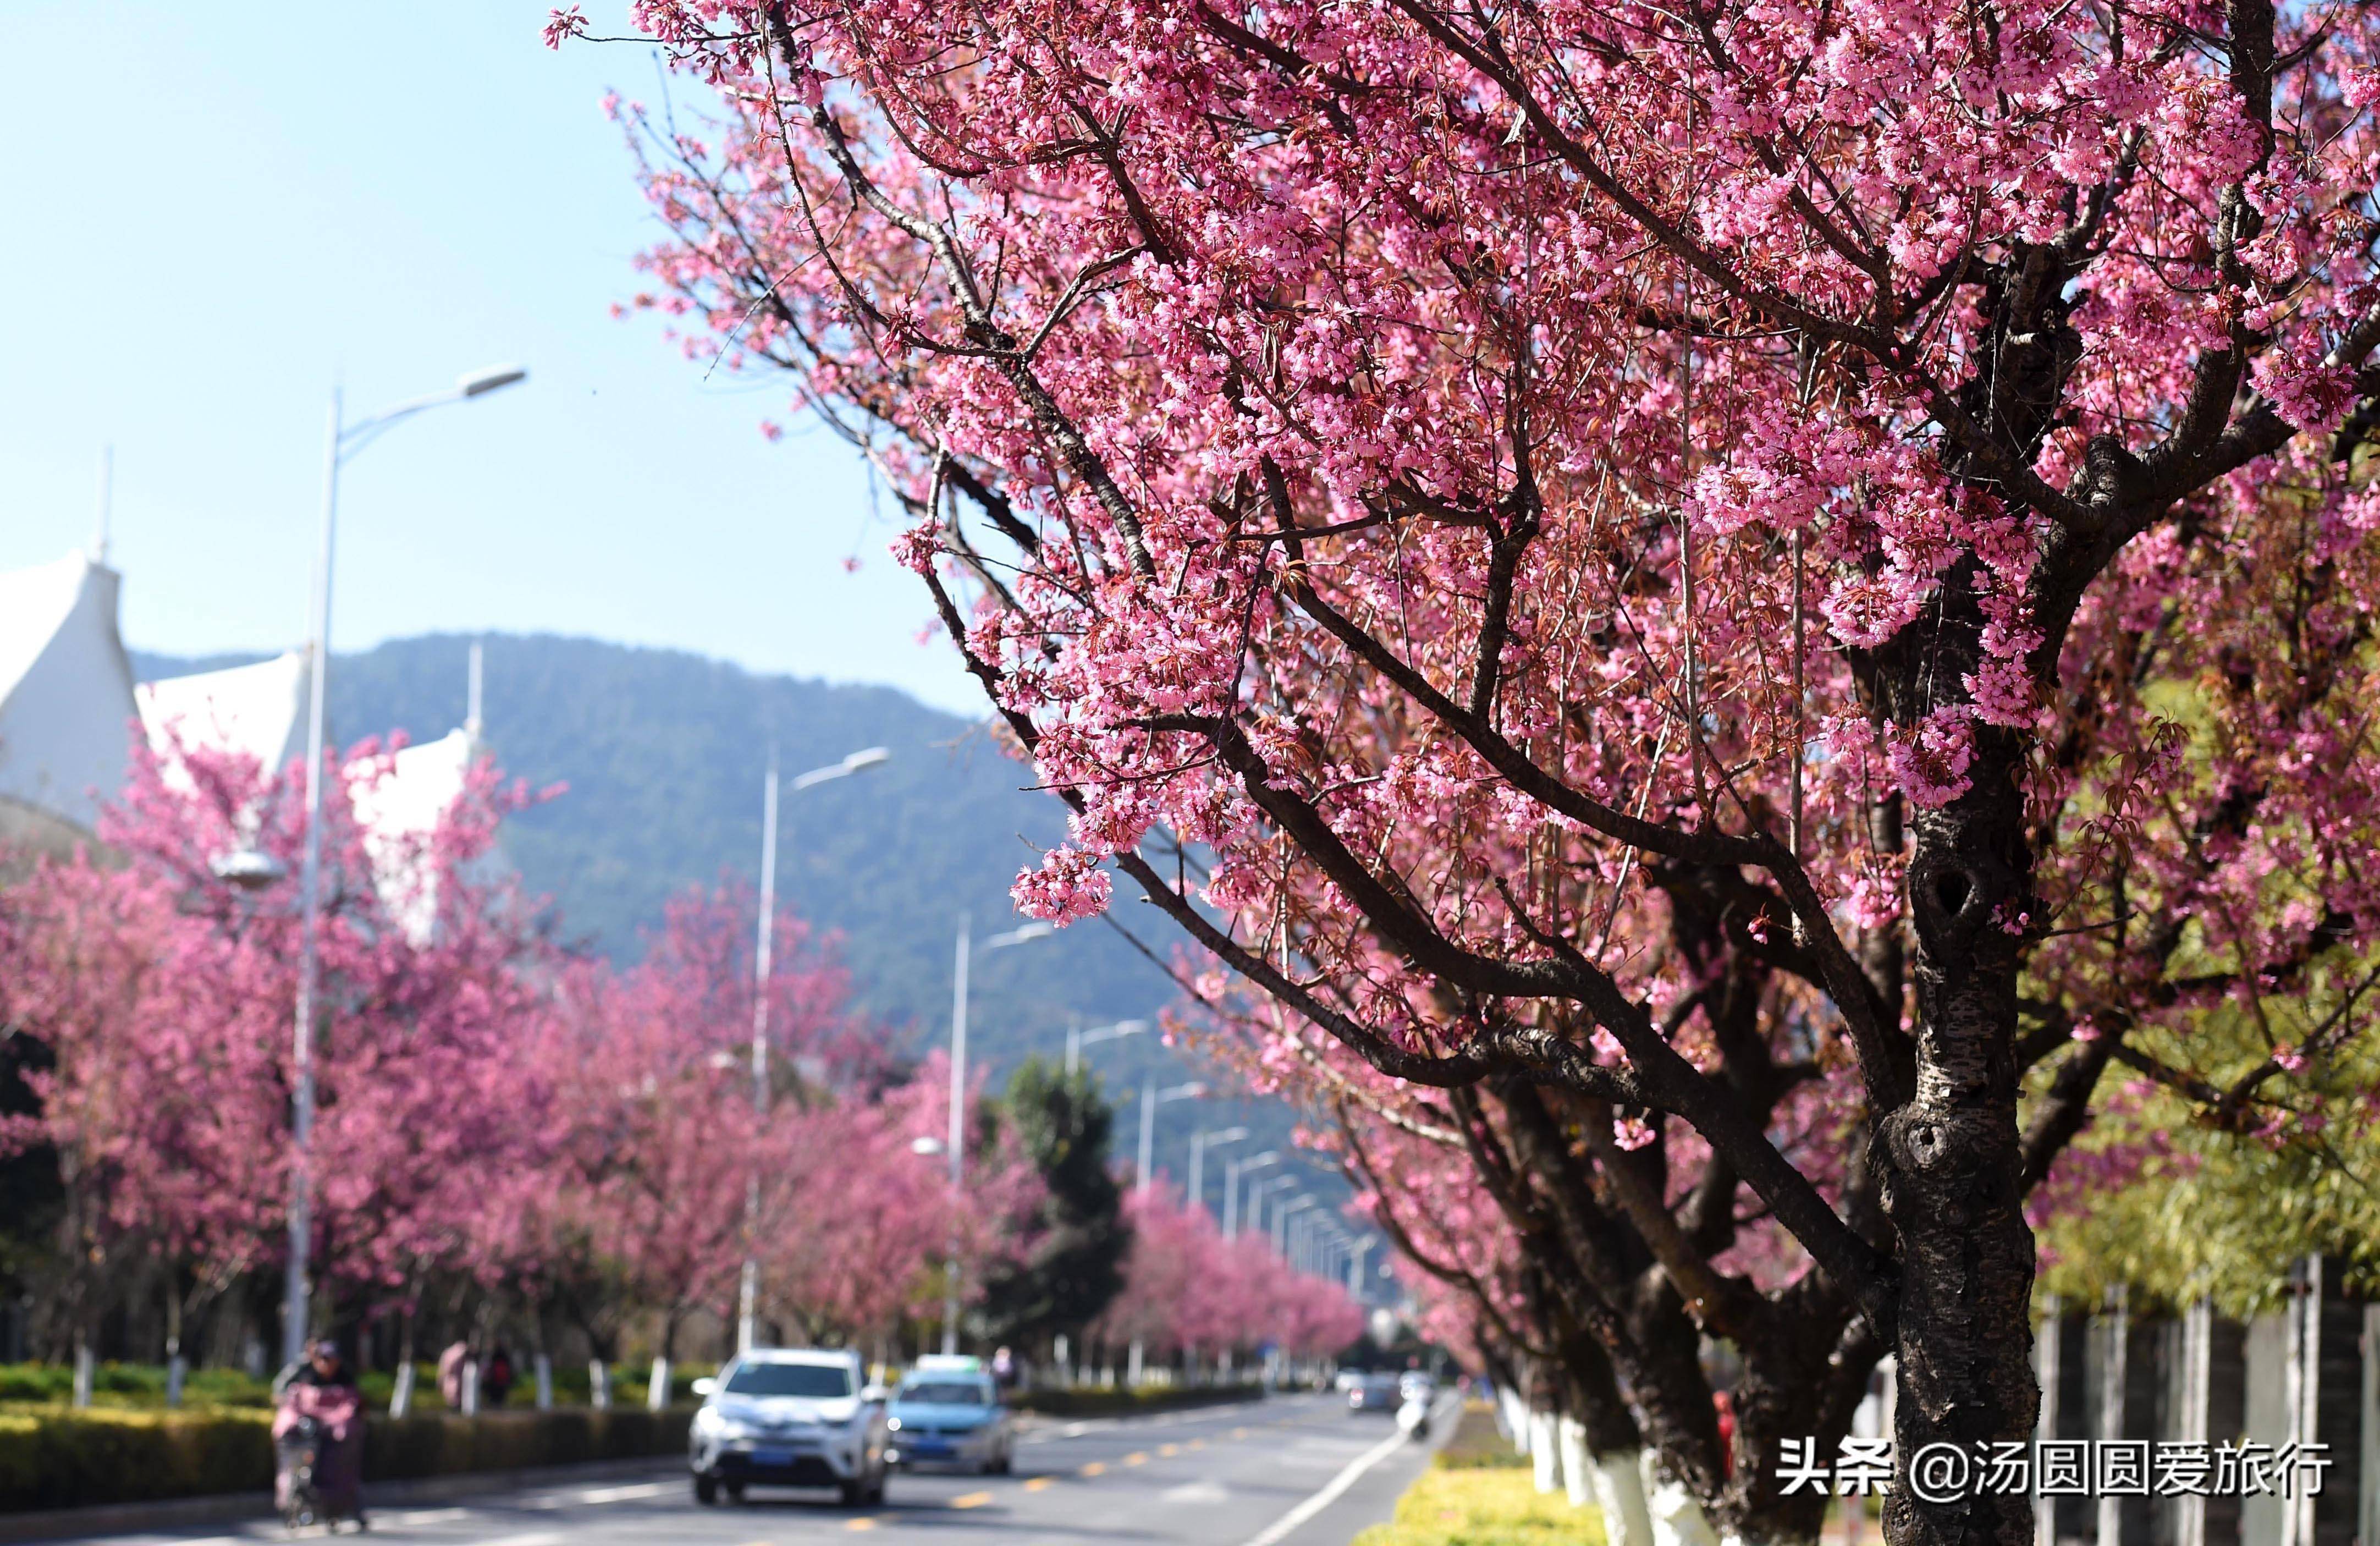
x: 870, y: 1225
x: 1637, y: 559
x: 1188, y: 1291
x: 164, y: 996
x: 670, y: 1175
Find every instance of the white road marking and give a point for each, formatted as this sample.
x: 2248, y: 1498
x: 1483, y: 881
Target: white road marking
x: 621, y: 1494
x: 1195, y: 1492
x: 1332, y: 1492
x: 423, y: 1516
x: 534, y: 1538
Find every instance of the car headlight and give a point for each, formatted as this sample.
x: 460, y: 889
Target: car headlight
x: 892, y: 1424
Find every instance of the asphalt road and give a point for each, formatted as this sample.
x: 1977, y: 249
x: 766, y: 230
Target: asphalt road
x: 1292, y: 1471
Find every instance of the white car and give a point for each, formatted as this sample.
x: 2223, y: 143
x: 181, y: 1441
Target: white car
x: 784, y: 1417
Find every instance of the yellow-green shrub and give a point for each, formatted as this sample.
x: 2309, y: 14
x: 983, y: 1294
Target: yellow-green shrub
x: 54, y: 1458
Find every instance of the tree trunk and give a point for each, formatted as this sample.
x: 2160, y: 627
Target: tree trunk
x: 1801, y: 1378
x: 174, y: 1366
x: 400, y: 1397
x: 1952, y: 1168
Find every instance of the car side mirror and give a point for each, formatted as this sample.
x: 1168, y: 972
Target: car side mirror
x: 873, y: 1395
x: 705, y: 1385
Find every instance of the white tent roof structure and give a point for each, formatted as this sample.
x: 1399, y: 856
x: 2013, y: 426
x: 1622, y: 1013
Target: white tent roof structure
x: 399, y: 811
x: 259, y: 710
x: 67, y: 705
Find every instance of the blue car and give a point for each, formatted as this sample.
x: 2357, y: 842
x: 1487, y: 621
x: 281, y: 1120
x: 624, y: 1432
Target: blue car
x: 948, y: 1412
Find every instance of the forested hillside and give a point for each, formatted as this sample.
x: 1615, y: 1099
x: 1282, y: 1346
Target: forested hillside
x: 663, y: 755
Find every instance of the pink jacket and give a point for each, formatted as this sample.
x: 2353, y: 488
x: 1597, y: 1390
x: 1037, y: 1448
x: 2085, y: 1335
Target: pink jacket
x: 337, y: 1407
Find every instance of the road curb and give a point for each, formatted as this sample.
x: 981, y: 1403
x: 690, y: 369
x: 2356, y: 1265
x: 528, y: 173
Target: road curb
x: 167, y: 1513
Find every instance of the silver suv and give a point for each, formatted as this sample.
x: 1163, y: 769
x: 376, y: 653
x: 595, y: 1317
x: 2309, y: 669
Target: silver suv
x: 785, y: 1416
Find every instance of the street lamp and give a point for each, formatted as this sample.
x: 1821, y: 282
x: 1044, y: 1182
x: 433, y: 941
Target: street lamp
x: 1260, y: 1192
x: 1151, y: 1099
x: 1357, y: 1253
x: 958, y: 1099
x: 249, y: 869
x: 1077, y: 1040
x: 1232, y: 1171
x: 1199, y: 1144
x: 747, y: 1307
x: 1280, y: 1220
x: 341, y: 440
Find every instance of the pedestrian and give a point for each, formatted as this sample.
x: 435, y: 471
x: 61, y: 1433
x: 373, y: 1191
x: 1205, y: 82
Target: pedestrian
x: 1003, y: 1368
x: 449, y: 1374
x: 496, y: 1378
x: 318, y: 1439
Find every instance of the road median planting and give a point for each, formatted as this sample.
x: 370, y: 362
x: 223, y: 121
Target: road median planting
x: 1476, y: 1492
x: 1100, y: 1403
x: 70, y: 1459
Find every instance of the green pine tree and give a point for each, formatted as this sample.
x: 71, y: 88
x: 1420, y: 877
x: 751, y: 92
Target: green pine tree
x: 1076, y: 1264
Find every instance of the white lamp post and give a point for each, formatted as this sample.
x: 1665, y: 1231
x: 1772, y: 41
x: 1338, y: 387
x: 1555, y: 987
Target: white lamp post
x: 747, y: 1307
x: 1357, y: 1253
x: 1199, y: 1144
x: 1257, y: 1196
x: 1151, y: 1099
x: 1077, y: 1040
x: 343, y: 440
x: 958, y: 1099
x: 1232, y: 1171
x: 1280, y: 1220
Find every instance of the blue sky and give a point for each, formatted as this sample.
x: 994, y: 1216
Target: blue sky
x: 220, y: 209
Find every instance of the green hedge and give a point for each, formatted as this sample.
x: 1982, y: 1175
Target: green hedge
x: 1098, y: 1403
x: 441, y: 1444
x: 142, y: 1387
x: 131, y: 1384
x: 66, y: 1459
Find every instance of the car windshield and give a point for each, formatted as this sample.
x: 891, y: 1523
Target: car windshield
x: 817, y: 1380
x: 948, y: 1393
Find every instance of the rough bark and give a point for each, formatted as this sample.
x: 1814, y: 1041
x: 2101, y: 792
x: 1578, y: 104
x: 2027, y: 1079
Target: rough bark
x: 1951, y: 1162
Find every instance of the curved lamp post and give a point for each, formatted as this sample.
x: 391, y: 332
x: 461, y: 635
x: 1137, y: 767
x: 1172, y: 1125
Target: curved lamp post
x: 747, y: 1295
x: 341, y: 440
x: 958, y: 1099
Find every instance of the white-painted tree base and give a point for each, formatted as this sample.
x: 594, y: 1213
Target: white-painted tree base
x: 1620, y: 1491
x: 1545, y: 1453
x: 1677, y: 1517
x: 1578, y: 1480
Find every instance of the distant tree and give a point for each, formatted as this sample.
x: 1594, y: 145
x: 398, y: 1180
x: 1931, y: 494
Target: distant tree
x: 1073, y: 1266
x: 2173, y: 1210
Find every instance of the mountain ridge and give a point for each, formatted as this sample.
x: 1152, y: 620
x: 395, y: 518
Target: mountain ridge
x: 664, y: 753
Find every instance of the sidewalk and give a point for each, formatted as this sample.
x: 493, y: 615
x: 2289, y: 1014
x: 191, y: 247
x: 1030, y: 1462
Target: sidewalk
x: 168, y: 1513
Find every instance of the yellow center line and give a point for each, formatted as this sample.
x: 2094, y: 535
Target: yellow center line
x: 1168, y: 1450
x: 1096, y: 1467
x: 1137, y: 1457
x: 861, y: 1524
x: 1037, y: 1483
x: 971, y: 1500
x: 1237, y: 1433
x: 1197, y: 1444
